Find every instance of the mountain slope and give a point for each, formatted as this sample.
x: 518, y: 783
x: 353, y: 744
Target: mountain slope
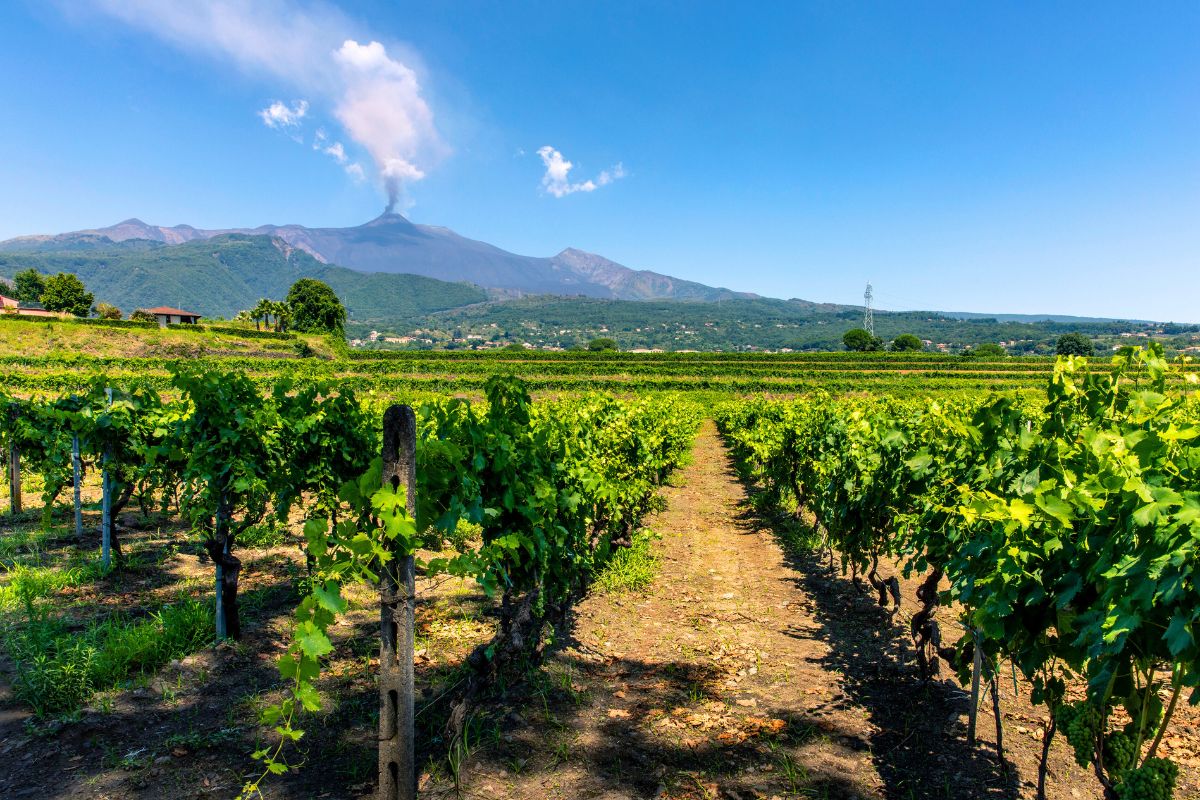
x: 628, y: 284
x: 222, y: 275
x: 391, y: 243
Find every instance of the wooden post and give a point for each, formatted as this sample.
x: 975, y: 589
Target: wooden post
x: 106, y: 502
x: 14, y: 479
x: 220, y: 624
x: 14, y: 471
x: 77, y: 468
x: 976, y: 668
x: 397, y: 598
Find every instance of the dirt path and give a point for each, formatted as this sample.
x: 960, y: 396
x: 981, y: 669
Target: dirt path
x: 739, y: 674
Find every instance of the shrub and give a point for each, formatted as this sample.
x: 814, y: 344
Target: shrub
x: 906, y: 342
x: 602, y: 344
x: 860, y: 341
x: 1074, y: 344
x: 104, y: 323
x: 107, y: 311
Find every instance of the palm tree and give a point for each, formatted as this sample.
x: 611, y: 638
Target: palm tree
x: 261, y: 312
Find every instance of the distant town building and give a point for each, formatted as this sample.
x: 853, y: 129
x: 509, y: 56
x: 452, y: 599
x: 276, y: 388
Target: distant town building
x: 10, y: 305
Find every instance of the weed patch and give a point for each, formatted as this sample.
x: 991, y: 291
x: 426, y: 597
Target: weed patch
x: 23, y: 585
x: 631, y: 569
x: 58, y: 670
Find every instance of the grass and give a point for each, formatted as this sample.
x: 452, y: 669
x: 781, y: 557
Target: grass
x: 23, y: 585
x: 269, y: 533
x: 22, y: 338
x: 631, y: 569
x: 58, y: 670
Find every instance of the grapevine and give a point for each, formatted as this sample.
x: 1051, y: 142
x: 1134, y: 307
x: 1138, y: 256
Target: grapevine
x: 1063, y: 524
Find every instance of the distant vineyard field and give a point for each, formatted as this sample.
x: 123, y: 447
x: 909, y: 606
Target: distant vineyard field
x: 395, y: 373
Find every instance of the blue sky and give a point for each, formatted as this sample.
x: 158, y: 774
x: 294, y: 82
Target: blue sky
x: 1015, y: 157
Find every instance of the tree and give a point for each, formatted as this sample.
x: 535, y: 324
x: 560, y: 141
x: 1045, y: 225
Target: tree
x: 29, y: 286
x: 315, y: 308
x: 260, y: 312
x: 1074, y: 344
x: 65, y: 292
x: 107, y: 311
x: 601, y: 344
x: 907, y: 342
x: 282, y: 314
x: 860, y: 341
x: 142, y: 315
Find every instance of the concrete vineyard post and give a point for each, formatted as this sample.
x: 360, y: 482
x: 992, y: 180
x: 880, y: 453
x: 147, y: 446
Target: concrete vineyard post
x: 999, y: 718
x: 106, y: 502
x: 77, y: 473
x: 976, y: 668
x: 397, y: 599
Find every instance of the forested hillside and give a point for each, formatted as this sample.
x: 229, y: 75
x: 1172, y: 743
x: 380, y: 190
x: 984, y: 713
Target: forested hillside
x: 762, y: 323
x: 229, y: 273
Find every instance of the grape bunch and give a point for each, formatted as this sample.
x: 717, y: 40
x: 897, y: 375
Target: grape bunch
x: 1081, y: 721
x: 1118, y: 753
x: 1153, y: 780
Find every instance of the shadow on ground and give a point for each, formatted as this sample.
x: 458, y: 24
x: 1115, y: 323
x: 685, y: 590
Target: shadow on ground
x: 570, y: 734
x: 918, y: 746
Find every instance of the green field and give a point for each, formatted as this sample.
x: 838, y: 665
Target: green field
x: 57, y: 357
x: 251, y: 507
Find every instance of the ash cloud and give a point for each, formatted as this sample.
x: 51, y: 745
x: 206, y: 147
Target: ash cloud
x: 312, y: 47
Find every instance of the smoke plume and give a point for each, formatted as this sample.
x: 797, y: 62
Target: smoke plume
x: 381, y: 108
x: 313, y: 48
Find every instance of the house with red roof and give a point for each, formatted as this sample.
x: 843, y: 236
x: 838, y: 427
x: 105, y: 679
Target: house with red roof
x: 173, y: 316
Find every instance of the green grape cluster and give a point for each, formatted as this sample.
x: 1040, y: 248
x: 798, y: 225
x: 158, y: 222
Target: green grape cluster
x: 1081, y: 722
x: 1153, y: 780
x: 1118, y: 753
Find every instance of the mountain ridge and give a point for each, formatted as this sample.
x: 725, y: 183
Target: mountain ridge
x: 391, y: 243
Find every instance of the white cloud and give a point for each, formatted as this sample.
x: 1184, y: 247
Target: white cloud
x: 313, y: 47
x: 280, y: 115
x: 608, y: 176
x: 557, y: 180
x: 337, y: 152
